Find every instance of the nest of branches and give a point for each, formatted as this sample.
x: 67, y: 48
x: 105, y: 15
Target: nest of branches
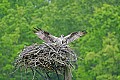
x: 47, y: 56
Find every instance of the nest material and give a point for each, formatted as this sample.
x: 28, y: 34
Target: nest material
x: 47, y: 56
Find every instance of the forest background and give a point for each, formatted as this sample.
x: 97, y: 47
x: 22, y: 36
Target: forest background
x: 98, y: 51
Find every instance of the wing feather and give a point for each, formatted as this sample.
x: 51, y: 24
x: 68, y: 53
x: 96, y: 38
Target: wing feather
x: 73, y: 36
x: 47, y: 37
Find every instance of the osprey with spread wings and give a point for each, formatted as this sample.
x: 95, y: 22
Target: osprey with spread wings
x: 48, y: 38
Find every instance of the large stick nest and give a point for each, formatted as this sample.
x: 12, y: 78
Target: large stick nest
x: 47, y: 56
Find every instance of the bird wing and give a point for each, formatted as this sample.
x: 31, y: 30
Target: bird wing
x: 73, y: 36
x: 47, y: 37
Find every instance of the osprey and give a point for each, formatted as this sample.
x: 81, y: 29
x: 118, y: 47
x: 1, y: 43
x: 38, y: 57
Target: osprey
x: 48, y: 38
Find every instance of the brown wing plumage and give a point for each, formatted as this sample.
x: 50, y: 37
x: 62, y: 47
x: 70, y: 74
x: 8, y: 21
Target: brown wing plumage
x: 47, y: 37
x: 73, y: 36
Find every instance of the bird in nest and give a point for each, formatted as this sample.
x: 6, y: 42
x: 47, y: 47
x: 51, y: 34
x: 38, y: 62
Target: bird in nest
x: 48, y: 38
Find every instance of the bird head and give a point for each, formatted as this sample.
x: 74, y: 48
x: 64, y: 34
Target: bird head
x: 61, y: 40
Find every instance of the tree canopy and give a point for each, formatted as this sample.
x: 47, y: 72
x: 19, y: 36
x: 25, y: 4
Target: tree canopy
x: 98, y: 51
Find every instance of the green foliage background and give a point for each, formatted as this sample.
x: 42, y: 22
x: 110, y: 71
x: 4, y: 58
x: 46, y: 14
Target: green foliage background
x: 98, y: 51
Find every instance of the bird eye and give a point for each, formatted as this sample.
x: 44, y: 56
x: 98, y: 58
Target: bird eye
x: 62, y: 42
